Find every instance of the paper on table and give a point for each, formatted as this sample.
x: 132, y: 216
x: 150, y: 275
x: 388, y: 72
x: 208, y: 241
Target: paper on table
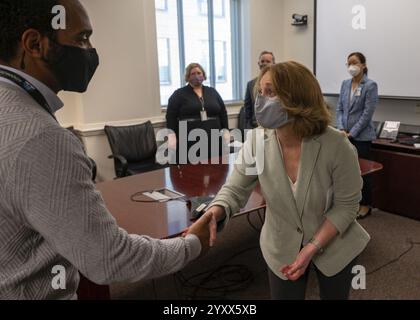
x: 156, y: 196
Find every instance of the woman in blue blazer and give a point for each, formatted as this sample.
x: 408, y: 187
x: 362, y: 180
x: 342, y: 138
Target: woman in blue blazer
x: 355, y: 109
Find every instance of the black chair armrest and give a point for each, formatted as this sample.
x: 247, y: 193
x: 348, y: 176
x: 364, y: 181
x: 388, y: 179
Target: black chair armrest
x: 123, y: 162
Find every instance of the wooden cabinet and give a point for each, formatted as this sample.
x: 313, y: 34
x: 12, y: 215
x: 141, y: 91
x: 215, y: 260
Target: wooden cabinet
x: 396, y: 189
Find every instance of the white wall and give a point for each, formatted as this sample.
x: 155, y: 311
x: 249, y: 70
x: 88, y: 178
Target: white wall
x: 298, y: 41
x: 264, y: 32
x: 71, y: 113
x: 124, y: 86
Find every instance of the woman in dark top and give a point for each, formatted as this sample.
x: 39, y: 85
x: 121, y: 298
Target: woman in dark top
x: 196, y: 106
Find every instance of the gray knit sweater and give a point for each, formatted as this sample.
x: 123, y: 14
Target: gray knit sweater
x: 51, y: 215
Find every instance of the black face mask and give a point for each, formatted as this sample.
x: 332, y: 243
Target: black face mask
x: 73, y: 67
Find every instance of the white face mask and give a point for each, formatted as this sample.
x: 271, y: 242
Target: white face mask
x: 354, y: 70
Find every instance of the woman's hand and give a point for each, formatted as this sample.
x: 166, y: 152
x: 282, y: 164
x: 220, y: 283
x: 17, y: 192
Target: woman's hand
x: 214, y: 214
x: 298, y: 268
x: 217, y: 214
x: 347, y: 134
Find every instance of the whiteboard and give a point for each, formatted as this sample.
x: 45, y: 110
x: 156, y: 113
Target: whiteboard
x: 387, y: 32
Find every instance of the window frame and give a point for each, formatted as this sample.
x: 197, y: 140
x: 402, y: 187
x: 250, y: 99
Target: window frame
x: 205, y: 12
x: 168, y: 47
x: 236, y: 57
x: 224, y: 54
x: 165, y: 8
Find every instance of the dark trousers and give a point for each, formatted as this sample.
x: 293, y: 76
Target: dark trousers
x: 331, y: 288
x: 363, y: 149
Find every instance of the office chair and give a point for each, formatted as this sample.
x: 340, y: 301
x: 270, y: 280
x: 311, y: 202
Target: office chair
x: 93, y: 163
x: 133, y: 149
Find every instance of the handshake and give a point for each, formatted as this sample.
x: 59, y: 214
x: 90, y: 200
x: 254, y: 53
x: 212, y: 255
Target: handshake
x: 205, y: 228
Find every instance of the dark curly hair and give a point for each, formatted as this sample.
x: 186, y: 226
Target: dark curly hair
x: 17, y: 16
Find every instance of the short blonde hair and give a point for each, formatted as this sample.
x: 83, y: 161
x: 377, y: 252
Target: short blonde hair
x: 190, y: 67
x: 301, y: 95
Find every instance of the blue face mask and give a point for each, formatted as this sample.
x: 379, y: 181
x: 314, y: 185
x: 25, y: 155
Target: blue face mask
x: 270, y: 113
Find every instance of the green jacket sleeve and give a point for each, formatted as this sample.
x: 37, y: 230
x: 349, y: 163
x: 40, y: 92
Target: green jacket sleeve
x: 347, y: 185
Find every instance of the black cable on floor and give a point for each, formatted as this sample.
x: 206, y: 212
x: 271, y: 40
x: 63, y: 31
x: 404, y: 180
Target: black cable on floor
x: 219, y: 281
x: 412, y: 245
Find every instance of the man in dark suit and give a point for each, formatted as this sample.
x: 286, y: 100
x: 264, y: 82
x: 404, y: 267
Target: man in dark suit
x: 266, y: 59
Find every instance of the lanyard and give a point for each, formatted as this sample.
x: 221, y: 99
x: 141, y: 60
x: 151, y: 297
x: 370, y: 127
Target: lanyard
x: 28, y: 87
x: 202, y: 103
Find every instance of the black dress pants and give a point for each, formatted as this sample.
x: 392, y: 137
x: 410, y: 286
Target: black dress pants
x: 331, y: 288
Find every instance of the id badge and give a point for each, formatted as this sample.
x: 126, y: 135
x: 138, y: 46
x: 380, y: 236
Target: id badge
x: 204, y: 116
x: 358, y: 92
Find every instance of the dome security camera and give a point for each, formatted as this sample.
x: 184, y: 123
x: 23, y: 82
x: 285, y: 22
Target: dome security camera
x: 299, y: 19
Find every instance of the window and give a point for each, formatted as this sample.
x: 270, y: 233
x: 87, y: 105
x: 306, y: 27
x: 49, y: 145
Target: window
x: 218, y: 8
x: 164, y: 61
x: 202, y: 7
x: 161, y: 5
x: 188, y: 33
x: 221, y: 61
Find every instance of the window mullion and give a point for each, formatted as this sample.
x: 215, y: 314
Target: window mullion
x: 211, y: 44
x: 236, y: 44
x: 181, y: 40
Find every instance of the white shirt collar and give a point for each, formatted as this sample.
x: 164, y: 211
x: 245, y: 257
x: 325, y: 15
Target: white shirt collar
x: 54, y: 102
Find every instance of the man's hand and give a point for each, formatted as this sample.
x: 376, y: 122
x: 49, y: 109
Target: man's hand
x: 201, y: 229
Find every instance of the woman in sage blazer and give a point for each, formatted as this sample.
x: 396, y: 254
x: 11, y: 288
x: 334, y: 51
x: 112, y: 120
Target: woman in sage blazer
x: 310, y: 178
x: 355, y: 109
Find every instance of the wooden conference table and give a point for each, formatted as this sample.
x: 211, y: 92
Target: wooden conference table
x: 169, y: 219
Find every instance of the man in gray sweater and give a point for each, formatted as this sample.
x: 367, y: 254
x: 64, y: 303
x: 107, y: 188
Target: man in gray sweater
x: 51, y: 216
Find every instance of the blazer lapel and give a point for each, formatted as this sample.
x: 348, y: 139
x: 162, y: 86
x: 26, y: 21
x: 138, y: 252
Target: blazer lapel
x: 279, y: 176
x: 352, y: 100
x: 359, y: 90
x: 309, y: 157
